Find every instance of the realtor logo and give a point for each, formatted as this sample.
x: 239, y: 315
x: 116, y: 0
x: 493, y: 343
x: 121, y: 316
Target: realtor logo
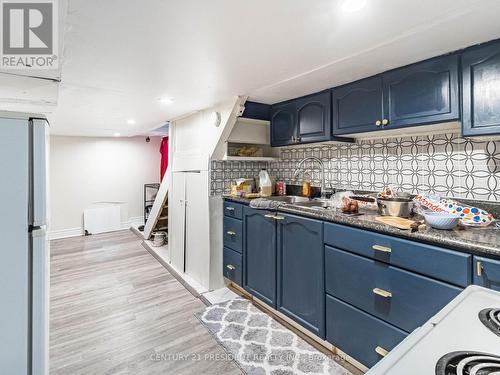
x: 29, y: 34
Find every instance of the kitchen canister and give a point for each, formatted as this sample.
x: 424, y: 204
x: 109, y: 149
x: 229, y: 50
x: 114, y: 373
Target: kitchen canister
x: 159, y: 238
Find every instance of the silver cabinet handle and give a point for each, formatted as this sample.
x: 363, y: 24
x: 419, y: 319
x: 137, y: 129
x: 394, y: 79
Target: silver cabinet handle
x: 230, y: 209
x: 381, y: 248
x: 479, y: 269
x: 378, y: 123
x: 231, y: 233
x: 269, y: 216
x: 382, y: 293
x: 381, y: 351
x: 230, y: 267
x: 278, y: 217
x: 385, y: 122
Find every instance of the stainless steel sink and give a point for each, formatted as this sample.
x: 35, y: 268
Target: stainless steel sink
x: 290, y: 199
x: 314, y: 203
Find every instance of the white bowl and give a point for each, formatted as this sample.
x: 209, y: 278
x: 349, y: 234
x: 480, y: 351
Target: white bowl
x: 441, y: 220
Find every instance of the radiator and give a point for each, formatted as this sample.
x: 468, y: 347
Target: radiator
x: 102, y: 217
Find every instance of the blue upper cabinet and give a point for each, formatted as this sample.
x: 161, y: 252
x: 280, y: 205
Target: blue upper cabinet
x: 259, y: 254
x: 301, y: 286
x: 422, y: 93
x: 284, y: 124
x: 481, y: 90
x: 357, y: 107
x: 313, y: 118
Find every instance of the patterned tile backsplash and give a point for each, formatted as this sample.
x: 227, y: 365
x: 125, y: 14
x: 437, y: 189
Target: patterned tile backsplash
x: 444, y: 164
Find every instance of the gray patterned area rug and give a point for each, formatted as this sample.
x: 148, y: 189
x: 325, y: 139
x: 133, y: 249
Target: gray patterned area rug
x: 260, y: 345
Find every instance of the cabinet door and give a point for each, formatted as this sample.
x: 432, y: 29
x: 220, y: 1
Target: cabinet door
x: 283, y: 124
x: 259, y: 254
x: 487, y: 273
x: 313, y: 118
x: 481, y: 90
x: 357, y: 107
x: 422, y: 93
x: 301, y: 292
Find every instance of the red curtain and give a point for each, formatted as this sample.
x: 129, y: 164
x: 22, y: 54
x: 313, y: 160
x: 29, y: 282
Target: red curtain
x: 164, y: 157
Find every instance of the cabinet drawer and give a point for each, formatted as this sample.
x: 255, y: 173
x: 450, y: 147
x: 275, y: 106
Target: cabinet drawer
x: 232, y: 268
x: 487, y: 272
x: 233, y: 234
x: 234, y: 210
x: 399, y: 297
x: 447, y: 265
x: 358, y: 333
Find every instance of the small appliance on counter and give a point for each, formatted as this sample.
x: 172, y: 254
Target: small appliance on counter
x: 463, y: 338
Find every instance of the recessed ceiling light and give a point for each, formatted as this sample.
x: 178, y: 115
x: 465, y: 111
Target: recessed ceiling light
x: 352, y: 5
x: 116, y: 134
x: 131, y: 122
x: 166, y: 100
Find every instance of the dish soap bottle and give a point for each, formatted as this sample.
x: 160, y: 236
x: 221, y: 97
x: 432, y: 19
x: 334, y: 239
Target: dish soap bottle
x: 265, y: 184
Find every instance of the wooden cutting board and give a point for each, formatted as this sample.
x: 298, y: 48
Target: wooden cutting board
x: 398, y: 222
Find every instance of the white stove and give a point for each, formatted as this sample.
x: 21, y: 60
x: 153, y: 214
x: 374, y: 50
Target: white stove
x: 462, y: 339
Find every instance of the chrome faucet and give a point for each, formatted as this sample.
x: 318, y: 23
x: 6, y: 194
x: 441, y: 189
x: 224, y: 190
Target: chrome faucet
x: 322, y: 165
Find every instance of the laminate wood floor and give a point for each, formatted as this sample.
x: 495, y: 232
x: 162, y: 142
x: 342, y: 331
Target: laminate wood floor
x: 116, y: 310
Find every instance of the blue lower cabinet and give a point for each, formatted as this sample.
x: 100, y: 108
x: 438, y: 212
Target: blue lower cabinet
x: 447, y: 265
x: 234, y: 210
x: 358, y: 334
x: 233, y: 234
x: 232, y: 266
x: 402, y: 298
x: 300, y: 271
x: 487, y: 273
x: 259, y: 262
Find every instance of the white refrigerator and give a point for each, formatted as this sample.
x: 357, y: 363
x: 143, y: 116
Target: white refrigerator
x: 24, y: 250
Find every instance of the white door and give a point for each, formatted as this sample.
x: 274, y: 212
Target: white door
x: 197, y: 227
x: 177, y: 220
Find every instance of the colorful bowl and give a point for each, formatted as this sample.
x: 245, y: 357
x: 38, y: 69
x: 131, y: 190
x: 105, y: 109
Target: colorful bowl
x: 441, y: 220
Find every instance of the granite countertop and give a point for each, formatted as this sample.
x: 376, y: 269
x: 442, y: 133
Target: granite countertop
x: 480, y: 241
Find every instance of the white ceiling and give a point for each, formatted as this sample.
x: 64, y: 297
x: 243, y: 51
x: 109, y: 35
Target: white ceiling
x: 120, y: 56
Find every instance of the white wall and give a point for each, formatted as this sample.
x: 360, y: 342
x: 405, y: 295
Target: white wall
x: 84, y: 170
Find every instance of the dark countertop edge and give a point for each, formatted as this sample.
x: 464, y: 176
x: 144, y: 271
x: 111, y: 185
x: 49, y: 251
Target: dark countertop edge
x: 422, y: 237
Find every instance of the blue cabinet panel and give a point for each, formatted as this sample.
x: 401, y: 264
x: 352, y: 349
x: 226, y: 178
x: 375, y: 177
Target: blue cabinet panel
x: 233, y: 234
x: 481, y: 90
x: 259, y: 255
x: 422, y: 93
x: 301, y: 290
x: 487, y: 272
x: 314, y: 118
x: 284, y: 124
x: 234, y: 210
x: 356, y: 107
x: 232, y: 266
x: 447, y: 265
x: 257, y: 111
x: 404, y: 299
x: 357, y: 333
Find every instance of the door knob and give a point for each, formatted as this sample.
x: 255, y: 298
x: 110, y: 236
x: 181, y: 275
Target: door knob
x: 385, y: 122
x: 378, y: 122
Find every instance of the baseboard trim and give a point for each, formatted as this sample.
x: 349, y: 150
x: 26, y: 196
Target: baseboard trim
x: 65, y: 233
x: 75, y: 232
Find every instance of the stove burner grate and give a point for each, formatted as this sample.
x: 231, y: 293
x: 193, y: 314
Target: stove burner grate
x: 491, y: 319
x: 468, y: 363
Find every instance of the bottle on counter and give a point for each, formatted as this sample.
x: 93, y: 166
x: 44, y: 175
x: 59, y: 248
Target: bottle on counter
x: 280, y: 187
x: 306, y: 187
x: 265, y: 184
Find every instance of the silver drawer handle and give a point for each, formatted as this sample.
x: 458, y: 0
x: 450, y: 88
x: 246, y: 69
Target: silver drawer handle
x: 382, y: 293
x: 277, y: 217
x: 269, y: 216
x: 381, y: 351
x: 381, y: 248
x: 230, y: 267
x: 231, y: 233
x: 230, y: 208
x: 479, y: 269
